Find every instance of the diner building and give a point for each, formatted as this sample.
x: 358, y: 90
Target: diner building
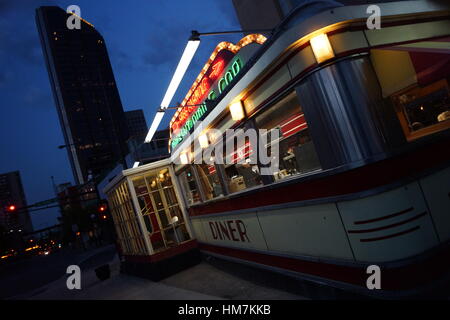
x: 361, y: 116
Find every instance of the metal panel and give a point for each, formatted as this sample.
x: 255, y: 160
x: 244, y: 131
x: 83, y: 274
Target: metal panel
x: 409, y: 32
x: 436, y: 189
x: 278, y: 79
x: 241, y: 230
x: 301, y: 61
x: 347, y: 41
x: 197, y: 227
x: 313, y: 230
x: 389, y: 226
x: 340, y: 103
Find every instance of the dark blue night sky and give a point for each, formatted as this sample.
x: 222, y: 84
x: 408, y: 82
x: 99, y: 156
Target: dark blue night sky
x: 145, y: 40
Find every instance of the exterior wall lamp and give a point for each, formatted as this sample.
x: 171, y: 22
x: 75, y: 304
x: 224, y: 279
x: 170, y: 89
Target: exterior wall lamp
x: 237, y: 111
x: 322, y: 48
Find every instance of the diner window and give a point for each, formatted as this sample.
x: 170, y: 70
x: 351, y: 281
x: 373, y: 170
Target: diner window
x: 160, y: 209
x: 240, y: 172
x: 297, y: 154
x: 126, y: 222
x: 423, y: 110
x: 189, y: 185
x: 210, y: 181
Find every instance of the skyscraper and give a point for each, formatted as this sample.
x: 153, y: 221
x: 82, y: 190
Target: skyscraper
x: 12, y: 193
x: 137, y: 126
x: 85, y: 93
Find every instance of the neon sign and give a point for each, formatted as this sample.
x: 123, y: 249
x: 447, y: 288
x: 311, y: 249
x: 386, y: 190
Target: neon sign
x: 210, y: 83
x: 191, y: 114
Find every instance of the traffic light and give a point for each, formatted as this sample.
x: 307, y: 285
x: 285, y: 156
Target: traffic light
x: 103, y: 211
x: 11, y: 208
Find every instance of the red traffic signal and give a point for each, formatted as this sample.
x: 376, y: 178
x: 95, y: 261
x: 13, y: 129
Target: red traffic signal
x: 102, y: 208
x: 11, y: 208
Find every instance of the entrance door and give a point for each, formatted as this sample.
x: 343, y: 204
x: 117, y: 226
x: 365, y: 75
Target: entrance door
x: 160, y: 209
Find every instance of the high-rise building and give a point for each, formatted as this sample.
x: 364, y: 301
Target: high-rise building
x: 12, y: 194
x: 85, y: 93
x: 270, y: 13
x: 137, y: 126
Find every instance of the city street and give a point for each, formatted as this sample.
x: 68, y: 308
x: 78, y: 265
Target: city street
x: 26, y: 275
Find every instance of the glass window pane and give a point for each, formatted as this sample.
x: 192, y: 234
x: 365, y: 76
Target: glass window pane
x: 210, y: 181
x: 163, y: 218
x: 171, y: 198
x: 421, y: 109
x: 296, y: 150
x: 189, y: 185
x: 139, y: 186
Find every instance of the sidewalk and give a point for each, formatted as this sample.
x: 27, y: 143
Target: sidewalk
x: 118, y: 287
x: 201, y: 282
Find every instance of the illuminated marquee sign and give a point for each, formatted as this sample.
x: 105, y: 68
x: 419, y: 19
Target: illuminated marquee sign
x: 208, y: 89
x: 222, y: 67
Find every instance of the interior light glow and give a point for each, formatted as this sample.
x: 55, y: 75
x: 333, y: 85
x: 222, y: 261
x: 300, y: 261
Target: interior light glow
x: 237, y: 111
x: 321, y: 47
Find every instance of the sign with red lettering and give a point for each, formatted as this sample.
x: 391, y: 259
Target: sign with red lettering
x: 203, y: 88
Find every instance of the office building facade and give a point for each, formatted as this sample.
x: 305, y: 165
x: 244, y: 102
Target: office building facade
x: 12, y: 194
x: 136, y: 123
x: 85, y: 93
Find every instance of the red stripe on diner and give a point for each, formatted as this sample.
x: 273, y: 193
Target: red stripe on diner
x: 407, y: 277
x: 353, y: 275
x: 364, y: 178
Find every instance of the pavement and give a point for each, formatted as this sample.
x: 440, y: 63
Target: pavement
x: 204, y: 281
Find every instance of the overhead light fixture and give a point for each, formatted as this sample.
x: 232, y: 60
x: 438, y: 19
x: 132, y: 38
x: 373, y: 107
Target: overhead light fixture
x: 203, y: 139
x: 185, y: 60
x: 237, y: 111
x: 321, y: 48
x: 154, y: 126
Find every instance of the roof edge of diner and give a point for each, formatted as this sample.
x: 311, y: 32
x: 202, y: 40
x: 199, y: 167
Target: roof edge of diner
x: 145, y: 167
x: 132, y: 171
x: 335, y: 18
